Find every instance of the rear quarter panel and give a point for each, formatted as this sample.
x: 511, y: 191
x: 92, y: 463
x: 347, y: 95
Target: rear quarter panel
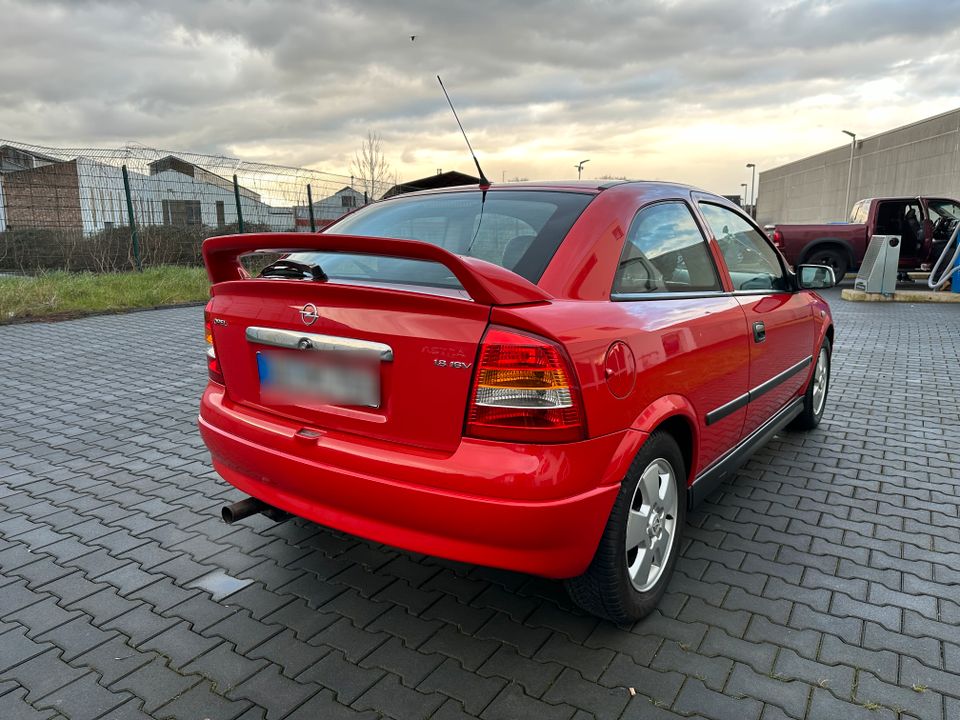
x: 693, y: 352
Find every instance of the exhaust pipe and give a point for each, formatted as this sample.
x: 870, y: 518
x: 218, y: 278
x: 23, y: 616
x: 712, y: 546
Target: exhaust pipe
x: 251, y: 506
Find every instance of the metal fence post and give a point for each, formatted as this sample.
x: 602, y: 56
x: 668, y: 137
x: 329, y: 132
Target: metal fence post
x: 134, y: 236
x: 313, y: 222
x: 236, y: 195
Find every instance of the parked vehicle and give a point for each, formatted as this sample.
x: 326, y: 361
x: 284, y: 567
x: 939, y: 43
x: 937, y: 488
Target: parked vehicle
x: 538, y: 377
x: 924, y: 225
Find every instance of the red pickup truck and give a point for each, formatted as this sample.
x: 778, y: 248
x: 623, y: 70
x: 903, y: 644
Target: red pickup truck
x: 924, y: 225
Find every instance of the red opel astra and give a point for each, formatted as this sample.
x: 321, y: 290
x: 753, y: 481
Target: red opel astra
x: 542, y: 377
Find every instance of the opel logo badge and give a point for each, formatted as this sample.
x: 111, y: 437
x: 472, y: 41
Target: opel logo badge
x: 309, y: 314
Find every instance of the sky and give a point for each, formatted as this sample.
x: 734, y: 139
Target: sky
x: 670, y: 90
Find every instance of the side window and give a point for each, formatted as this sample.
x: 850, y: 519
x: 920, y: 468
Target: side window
x: 752, y: 263
x: 665, y: 252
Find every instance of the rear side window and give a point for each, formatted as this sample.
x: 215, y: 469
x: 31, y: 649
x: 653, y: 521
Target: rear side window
x: 665, y: 252
x: 517, y: 229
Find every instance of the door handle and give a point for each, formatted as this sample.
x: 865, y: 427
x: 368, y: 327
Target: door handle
x: 759, y: 332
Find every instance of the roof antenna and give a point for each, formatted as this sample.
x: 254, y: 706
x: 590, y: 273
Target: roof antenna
x: 483, y: 178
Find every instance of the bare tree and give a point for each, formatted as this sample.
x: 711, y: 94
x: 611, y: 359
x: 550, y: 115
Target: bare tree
x: 370, y: 166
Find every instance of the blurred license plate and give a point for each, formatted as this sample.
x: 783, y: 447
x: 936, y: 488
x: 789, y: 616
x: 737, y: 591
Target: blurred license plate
x: 331, y: 378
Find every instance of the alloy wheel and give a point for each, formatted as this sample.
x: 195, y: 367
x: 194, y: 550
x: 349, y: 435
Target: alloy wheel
x: 651, y: 524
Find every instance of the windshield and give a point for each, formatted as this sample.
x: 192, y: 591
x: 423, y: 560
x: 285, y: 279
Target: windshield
x: 943, y: 209
x: 517, y: 229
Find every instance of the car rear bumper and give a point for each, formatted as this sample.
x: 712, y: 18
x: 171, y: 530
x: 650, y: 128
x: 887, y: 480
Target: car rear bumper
x: 538, y: 509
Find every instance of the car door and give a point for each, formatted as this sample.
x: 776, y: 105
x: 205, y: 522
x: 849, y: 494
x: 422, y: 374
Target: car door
x: 779, y: 319
x: 688, y: 335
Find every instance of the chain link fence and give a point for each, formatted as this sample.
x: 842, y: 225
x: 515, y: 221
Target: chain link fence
x: 71, y: 208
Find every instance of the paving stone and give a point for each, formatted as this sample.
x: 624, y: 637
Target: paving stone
x: 43, y: 674
x: 113, y: 660
x: 274, y: 692
x: 42, y: 617
x: 825, y: 705
x: 390, y: 697
x: 533, y: 675
x: 695, y: 697
x: 140, y: 624
x: 712, y: 671
x: 291, y: 654
x: 411, y: 666
x: 180, y: 644
x: 225, y: 666
x: 324, y: 705
x: 870, y: 689
x: 787, y: 694
x: 453, y: 681
x: 201, y: 612
x: 759, y: 656
x: 155, y: 684
x: 299, y: 618
x: 512, y: 703
x: 662, y: 687
x: 881, y: 662
x: 201, y: 701
x: 16, y: 647
x: 242, y: 630
x: 527, y: 640
x: 839, y: 679
x: 335, y: 672
x: 13, y: 706
x: 76, y: 637
x: 597, y: 700
x: 470, y: 652
x: 84, y: 699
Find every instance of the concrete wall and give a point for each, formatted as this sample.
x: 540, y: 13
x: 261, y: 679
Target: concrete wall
x: 918, y: 159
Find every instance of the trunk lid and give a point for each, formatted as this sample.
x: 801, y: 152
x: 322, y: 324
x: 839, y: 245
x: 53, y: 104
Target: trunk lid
x: 392, y: 363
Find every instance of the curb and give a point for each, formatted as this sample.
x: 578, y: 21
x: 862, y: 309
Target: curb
x: 79, y: 314
x: 907, y: 296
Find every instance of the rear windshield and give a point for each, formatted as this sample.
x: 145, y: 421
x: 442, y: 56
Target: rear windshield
x: 516, y: 229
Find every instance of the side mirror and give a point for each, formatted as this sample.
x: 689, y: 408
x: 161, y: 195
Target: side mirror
x: 815, y: 277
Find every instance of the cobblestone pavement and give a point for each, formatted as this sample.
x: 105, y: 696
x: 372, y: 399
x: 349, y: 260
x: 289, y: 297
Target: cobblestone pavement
x: 821, y: 583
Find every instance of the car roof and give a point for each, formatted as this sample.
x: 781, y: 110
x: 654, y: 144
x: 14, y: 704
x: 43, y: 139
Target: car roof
x: 583, y: 186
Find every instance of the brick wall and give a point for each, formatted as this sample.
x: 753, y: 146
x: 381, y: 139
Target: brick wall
x: 46, y: 197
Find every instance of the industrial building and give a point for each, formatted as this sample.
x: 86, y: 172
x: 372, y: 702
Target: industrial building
x: 922, y: 158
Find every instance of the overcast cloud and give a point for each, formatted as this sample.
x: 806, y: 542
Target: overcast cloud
x: 686, y: 91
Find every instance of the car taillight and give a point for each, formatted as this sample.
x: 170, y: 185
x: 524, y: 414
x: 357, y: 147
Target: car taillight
x: 213, y: 365
x: 778, y: 238
x: 523, y: 391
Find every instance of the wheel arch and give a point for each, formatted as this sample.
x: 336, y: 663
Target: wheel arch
x: 825, y: 243
x: 675, y: 415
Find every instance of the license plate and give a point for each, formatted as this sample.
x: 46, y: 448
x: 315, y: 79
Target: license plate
x: 329, y: 378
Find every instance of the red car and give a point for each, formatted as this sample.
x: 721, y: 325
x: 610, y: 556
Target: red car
x: 539, y: 377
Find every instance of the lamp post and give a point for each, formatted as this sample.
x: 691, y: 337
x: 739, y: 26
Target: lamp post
x: 744, y: 186
x: 753, y: 186
x: 846, y: 202
x: 579, y: 167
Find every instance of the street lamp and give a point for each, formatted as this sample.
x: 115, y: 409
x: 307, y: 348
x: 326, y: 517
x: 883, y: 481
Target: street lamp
x: 744, y: 186
x: 853, y: 143
x: 753, y: 186
x: 579, y: 167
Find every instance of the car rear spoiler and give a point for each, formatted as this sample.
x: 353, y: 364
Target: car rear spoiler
x: 485, y: 282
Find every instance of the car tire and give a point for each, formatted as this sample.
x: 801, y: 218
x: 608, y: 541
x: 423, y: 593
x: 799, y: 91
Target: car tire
x: 815, y: 397
x: 831, y: 257
x: 649, y: 513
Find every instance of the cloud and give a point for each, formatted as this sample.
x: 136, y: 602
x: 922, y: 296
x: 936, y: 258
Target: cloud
x: 688, y: 90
